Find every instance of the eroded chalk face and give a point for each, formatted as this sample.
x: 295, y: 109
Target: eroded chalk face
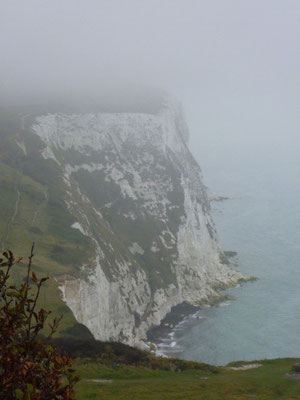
x: 137, y: 195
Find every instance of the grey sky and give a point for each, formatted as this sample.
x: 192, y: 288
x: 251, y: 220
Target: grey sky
x: 233, y: 63
x: 209, y: 45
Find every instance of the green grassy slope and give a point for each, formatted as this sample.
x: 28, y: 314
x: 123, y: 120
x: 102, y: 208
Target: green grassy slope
x: 111, y: 371
x: 138, y: 383
x: 28, y: 213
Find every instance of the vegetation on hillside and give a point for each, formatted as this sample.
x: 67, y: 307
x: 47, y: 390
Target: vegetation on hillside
x: 266, y: 382
x: 30, y: 367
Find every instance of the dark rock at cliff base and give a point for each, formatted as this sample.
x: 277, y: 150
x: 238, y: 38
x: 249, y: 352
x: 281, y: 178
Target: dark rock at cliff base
x: 176, y: 315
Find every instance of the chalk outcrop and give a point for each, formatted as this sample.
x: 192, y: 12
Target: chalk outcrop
x: 136, y: 194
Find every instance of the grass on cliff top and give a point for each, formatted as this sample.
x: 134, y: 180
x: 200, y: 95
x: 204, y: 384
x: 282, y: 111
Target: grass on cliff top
x: 114, y: 371
x: 139, y: 383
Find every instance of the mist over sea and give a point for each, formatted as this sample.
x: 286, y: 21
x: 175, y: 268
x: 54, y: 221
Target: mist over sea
x: 261, y: 221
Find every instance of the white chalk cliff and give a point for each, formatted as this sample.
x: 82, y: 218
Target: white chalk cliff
x: 136, y: 194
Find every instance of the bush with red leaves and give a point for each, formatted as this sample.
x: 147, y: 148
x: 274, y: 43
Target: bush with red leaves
x: 30, y: 368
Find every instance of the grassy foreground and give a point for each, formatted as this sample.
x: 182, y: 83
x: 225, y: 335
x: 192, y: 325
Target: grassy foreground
x: 128, y: 382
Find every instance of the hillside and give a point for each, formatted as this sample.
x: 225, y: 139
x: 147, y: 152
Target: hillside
x: 269, y: 381
x: 112, y: 371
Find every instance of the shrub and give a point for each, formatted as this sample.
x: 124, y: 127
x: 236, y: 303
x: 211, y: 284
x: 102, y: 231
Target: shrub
x: 30, y: 368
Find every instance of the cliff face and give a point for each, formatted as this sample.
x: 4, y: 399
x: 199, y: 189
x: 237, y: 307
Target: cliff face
x: 136, y: 194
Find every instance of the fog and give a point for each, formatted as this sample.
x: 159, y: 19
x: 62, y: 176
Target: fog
x: 233, y: 64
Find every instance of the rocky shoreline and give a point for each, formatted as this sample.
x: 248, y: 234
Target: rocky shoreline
x: 180, y: 312
x: 176, y: 316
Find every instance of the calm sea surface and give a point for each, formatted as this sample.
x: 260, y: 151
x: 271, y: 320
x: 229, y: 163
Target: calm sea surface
x: 262, y: 223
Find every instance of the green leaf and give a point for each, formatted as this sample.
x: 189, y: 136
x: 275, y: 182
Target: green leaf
x: 50, y: 349
x: 30, y: 387
x: 14, y: 294
x: 19, y: 394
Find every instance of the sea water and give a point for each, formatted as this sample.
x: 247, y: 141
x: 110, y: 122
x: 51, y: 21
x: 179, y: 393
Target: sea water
x: 261, y: 221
